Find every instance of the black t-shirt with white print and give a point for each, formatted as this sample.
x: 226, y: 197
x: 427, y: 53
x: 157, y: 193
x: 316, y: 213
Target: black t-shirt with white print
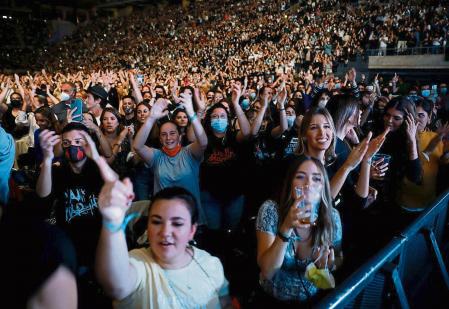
x: 77, y: 209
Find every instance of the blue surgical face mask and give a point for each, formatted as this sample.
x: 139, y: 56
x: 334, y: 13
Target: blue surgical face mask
x: 425, y: 93
x: 443, y: 91
x: 252, y: 96
x: 219, y: 125
x: 290, y: 120
x: 337, y: 86
x: 245, y: 104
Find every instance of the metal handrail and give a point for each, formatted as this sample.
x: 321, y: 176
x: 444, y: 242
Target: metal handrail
x: 409, y: 51
x: 358, y: 281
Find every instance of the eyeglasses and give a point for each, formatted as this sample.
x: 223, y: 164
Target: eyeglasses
x: 76, y: 142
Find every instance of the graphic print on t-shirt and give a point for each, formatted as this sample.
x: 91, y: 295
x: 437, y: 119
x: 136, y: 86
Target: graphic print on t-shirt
x: 291, y: 147
x: 219, y: 157
x: 78, y: 204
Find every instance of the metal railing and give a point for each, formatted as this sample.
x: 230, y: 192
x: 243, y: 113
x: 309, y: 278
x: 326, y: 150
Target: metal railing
x: 399, y: 267
x: 429, y: 50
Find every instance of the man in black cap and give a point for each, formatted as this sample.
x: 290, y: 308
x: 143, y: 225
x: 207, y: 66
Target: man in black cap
x: 96, y: 100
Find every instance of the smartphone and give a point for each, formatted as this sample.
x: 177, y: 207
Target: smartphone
x: 78, y: 113
x: 140, y: 79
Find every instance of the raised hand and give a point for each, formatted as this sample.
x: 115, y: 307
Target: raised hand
x: 70, y: 113
x: 16, y: 79
x: 115, y: 195
x: 159, y: 109
x: 90, y: 124
x: 378, y: 169
x: 186, y: 101
x: 352, y: 75
x: 236, y: 93
x: 91, y: 149
x: 357, y: 154
x: 282, y: 97
x: 376, y: 143
x: 411, y: 127
x: 295, y: 216
x: 200, y: 100
x: 131, y: 130
x: 47, y: 140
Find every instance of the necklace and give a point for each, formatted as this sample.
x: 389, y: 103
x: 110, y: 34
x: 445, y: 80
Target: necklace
x: 184, y: 302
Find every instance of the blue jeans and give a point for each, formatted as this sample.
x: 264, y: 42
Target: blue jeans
x: 222, y: 213
x: 143, y: 182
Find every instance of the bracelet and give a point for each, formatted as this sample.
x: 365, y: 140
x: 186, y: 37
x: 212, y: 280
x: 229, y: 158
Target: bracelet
x: 193, y: 117
x: 113, y: 228
x: 283, y: 237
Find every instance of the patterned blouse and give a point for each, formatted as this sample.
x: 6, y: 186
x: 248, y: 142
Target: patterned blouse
x: 289, y: 283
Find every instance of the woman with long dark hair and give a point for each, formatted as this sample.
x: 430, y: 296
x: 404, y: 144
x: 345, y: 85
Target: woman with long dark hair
x: 120, y: 139
x: 287, y: 244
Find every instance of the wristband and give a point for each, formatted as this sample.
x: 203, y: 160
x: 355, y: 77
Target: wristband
x: 193, y: 117
x: 283, y: 237
x: 113, y: 228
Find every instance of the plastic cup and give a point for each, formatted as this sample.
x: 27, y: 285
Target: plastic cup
x: 311, y: 202
x: 378, y: 156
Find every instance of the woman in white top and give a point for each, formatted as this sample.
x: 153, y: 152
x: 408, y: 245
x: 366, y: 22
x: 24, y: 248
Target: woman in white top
x: 170, y: 273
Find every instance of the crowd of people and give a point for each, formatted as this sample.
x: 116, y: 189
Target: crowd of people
x: 234, y: 37
x: 131, y: 164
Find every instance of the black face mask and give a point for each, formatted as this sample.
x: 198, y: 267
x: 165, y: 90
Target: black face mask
x: 74, y: 153
x: 16, y: 103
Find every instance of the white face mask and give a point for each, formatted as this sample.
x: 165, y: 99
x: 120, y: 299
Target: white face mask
x: 64, y: 96
x: 322, y: 103
x: 291, y: 120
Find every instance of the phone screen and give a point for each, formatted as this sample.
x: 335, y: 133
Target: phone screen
x: 140, y: 79
x: 78, y: 113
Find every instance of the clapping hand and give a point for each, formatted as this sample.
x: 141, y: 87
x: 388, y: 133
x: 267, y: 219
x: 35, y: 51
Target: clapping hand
x: 357, y: 154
